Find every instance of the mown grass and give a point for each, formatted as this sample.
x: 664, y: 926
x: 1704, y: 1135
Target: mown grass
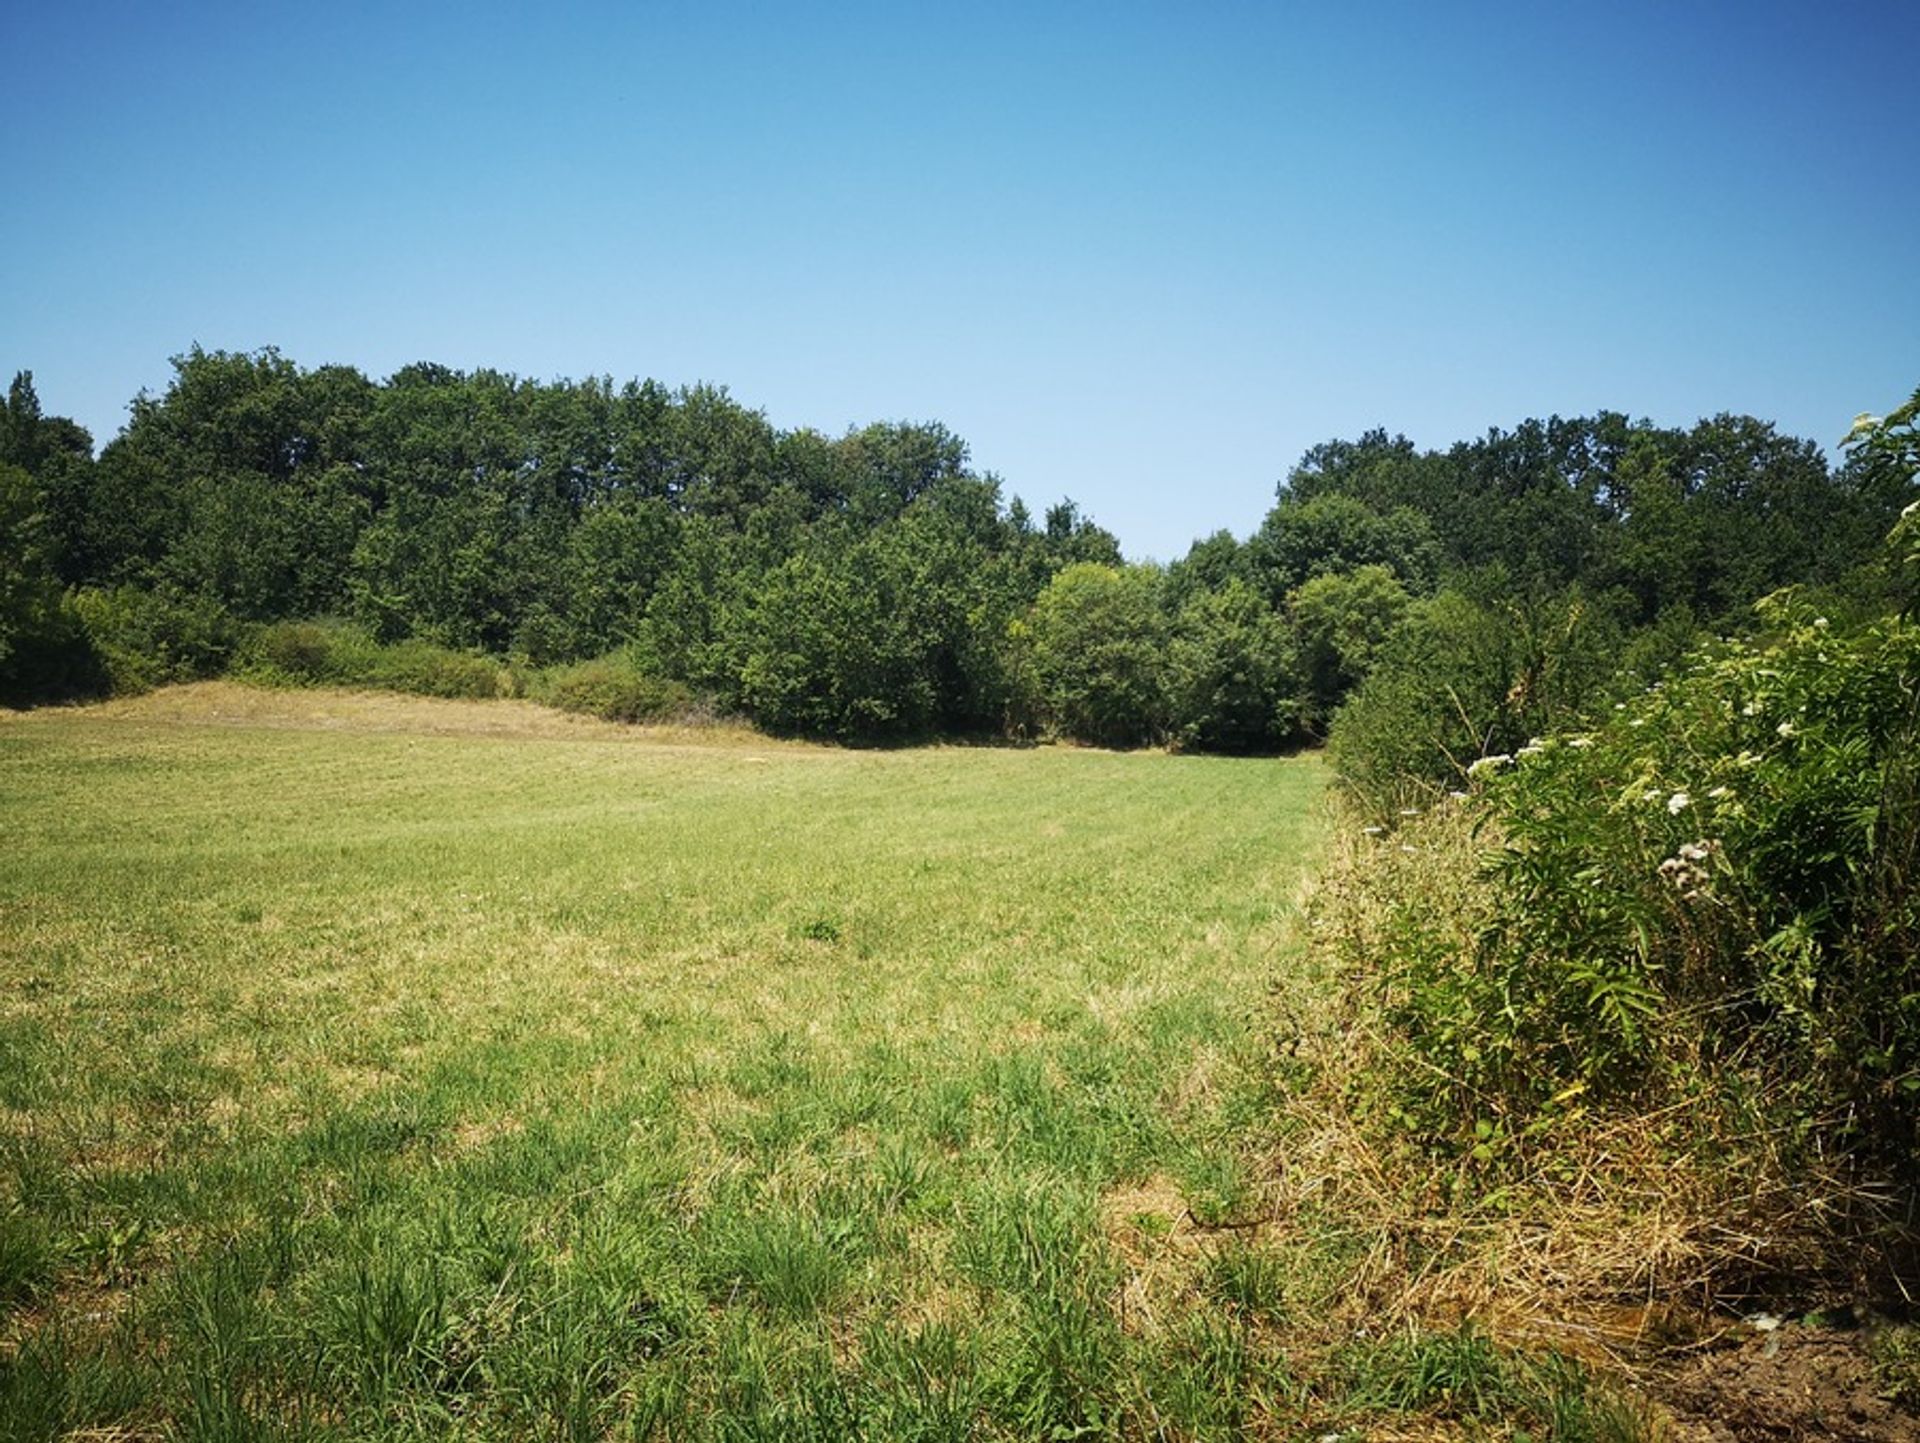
x: 374, y: 1074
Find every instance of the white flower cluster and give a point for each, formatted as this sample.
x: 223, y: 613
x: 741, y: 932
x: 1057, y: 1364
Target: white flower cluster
x: 1489, y: 763
x: 1686, y: 872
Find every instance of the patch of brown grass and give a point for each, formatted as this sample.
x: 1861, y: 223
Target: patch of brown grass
x: 233, y: 704
x: 1632, y: 1238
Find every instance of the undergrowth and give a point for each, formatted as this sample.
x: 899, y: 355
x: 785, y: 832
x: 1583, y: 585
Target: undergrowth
x: 1636, y: 1016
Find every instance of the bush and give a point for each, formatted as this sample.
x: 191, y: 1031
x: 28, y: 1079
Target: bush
x: 1230, y: 672
x: 144, y: 639
x: 612, y: 688
x: 36, y: 626
x: 424, y: 669
x: 1462, y: 678
x: 297, y: 653
x: 1721, y: 879
x: 322, y: 653
x: 1342, y: 621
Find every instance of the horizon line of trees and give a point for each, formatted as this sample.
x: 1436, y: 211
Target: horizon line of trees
x: 873, y: 585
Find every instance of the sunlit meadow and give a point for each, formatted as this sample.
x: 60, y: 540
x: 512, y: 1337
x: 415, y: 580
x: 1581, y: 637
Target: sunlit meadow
x: 383, y: 1067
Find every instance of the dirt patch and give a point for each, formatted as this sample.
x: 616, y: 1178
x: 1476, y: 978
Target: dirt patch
x: 1790, y: 1384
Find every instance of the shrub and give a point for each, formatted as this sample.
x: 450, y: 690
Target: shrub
x: 425, y: 669
x: 295, y: 653
x: 143, y: 639
x: 325, y: 653
x: 1342, y: 621
x: 612, y: 688
x: 1462, y: 678
x: 36, y: 627
x: 1720, y: 878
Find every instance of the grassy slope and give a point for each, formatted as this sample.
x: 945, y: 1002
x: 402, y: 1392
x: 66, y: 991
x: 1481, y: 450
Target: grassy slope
x: 396, y: 1068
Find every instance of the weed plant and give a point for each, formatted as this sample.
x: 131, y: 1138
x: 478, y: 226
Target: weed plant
x: 1651, y: 987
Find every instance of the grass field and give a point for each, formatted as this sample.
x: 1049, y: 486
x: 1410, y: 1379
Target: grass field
x: 377, y: 1067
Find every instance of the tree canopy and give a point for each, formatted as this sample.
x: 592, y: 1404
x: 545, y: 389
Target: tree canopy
x: 871, y: 584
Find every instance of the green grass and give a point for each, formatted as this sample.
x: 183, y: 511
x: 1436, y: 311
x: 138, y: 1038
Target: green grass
x: 387, y: 1073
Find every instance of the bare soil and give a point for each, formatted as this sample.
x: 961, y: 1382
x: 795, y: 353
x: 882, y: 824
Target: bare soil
x: 1794, y: 1383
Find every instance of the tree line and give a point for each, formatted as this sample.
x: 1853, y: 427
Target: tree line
x: 873, y: 585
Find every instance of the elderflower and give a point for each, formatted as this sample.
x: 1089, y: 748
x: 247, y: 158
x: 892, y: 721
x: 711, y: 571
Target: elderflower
x: 1489, y: 763
x: 1678, y: 803
x: 1786, y: 729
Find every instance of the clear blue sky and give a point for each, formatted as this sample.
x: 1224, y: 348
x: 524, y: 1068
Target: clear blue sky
x: 1139, y: 255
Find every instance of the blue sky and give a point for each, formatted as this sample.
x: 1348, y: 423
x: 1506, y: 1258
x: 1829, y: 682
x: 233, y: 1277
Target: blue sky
x: 1135, y: 255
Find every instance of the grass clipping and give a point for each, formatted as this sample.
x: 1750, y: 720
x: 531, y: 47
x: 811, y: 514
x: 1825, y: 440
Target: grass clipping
x: 1616, y: 1235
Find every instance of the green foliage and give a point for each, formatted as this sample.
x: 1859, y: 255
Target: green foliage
x: 823, y: 653
x: 145, y: 639
x: 1885, y: 450
x: 1895, y: 1352
x: 322, y: 653
x: 1723, y: 872
x: 870, y: 585
x: 1230, y: 673
x: 35, y: 625
x: 1098, y: 646
x: 1461, y: 678
x: 613, y: 688
x: 1707, y: 519
x: 1342, y: 621
x: 1334, y: 532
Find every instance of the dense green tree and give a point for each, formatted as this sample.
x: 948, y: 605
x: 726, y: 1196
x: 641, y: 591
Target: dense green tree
x: 871, y: 584
x: 32, y: 619
x: 1098, y: 642
x: 1231, y: 685
x: 1333, y: 533
x: 58, y: 455
x: 1209, y: 565
x: 615, y: 558
x: 821, y: 652
x: 1386, y: 472
x: 1341, y: 620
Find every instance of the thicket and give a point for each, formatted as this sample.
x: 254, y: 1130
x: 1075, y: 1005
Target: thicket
x: 461, y: 532
x: 1667, y: 945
